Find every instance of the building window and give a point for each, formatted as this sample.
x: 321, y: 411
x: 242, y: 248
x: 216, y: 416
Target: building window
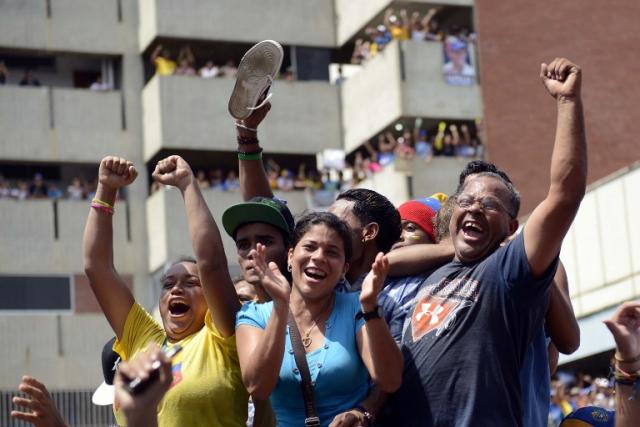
x: 35, y: 293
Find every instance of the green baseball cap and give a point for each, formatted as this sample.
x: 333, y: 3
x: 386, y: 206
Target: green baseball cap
x: 259, y: 209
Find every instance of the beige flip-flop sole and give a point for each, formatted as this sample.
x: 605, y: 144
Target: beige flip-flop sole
x: 256, y: 72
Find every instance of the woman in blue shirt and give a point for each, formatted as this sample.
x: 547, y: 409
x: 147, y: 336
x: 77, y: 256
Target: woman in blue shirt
x: 342, y: 352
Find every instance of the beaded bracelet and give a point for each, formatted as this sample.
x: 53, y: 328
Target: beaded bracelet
x: 242, y: 140
x: 99, y: 207
x: 629, y: 379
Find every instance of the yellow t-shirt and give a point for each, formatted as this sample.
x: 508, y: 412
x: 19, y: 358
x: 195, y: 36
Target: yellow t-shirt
x: 207, y: 388
x: 164, y: 66
x: 399, y: 33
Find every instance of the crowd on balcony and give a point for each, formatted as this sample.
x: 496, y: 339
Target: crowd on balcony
x: 448, y: 141
x: 39, y: 188
x: 280, y: 178
x: 186, y: 65
x: 401, y: 26
x: 28, y: 79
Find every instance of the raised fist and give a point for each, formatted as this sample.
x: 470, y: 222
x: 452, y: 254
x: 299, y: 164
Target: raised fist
x: 562, y: 79
x: 116, y: 172
x: 173, y: 170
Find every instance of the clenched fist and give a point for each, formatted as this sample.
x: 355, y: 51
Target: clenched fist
x: 562, y: 79
x: 173, y: 170
x: 116, y: 172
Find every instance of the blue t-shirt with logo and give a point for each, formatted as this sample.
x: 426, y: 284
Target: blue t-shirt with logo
x: 465, y: 342
x: 535, y: 380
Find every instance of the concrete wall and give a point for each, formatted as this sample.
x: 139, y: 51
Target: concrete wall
x: 439, y: 175
x: 183, y: 112
x: 87, y: 125
x: 306, y: 23
x: 167, y: 223
x: 601, y: 253
x: 64, y: 351
x: 352, y: 16
x: 389, y: 182
x: 424, y: 91
x: 520, y: 115
x: 74, y: 25
x: 28, y: 244
x: 61, y: 351
x: 371, y: 99
x: 405, y: 80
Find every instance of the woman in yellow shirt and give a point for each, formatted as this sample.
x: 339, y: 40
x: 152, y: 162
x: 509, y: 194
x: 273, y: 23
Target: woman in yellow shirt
x: 198, y: 303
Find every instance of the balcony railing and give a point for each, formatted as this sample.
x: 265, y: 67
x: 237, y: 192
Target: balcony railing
x: 65, y: 25
x: 404, y: 80
x: 183, y: 112
x: 45, y: 237
x: 303, y: 23
x: 58, y: 124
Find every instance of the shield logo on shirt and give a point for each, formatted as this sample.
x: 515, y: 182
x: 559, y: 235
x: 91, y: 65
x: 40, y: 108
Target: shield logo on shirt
x: 434, y: 313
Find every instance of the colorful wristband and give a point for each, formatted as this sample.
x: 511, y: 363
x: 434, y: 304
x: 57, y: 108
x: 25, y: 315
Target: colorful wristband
x: 102, y: 203
x: 253, y: 155
x: 99, y: 207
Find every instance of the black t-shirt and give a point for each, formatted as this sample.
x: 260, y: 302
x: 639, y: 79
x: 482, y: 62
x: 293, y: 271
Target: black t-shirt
x: 465, y: 341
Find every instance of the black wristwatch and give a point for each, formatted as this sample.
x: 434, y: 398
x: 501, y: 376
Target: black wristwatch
x: 376, y: 313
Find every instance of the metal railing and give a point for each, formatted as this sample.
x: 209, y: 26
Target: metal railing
x: 74, y: 405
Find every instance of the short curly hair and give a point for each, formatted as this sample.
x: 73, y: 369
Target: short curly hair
x: 370, y: 206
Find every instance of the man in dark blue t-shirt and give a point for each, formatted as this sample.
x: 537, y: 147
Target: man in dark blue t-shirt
x: 474, y: 318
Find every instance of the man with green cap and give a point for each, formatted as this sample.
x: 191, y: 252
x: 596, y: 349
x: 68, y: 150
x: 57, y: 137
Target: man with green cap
x: 259, y: 220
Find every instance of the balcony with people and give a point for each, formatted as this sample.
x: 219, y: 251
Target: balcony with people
x: 44, y: 207
x: 60, y: 107
x: 185, y: 99
x: 422, y: 64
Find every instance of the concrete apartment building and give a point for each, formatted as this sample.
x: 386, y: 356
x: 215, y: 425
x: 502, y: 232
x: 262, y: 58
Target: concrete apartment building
x: 68, y: 129
x: 52, y: 325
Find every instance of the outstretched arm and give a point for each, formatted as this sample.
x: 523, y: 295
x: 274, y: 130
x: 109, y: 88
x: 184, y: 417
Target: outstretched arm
x: 551, y: 219
x: 378, y: 350
x: 207, y: 244
x: 418, y: 259
x: 261, y: 350
x: 112, y: 293
x: 253, y: 177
